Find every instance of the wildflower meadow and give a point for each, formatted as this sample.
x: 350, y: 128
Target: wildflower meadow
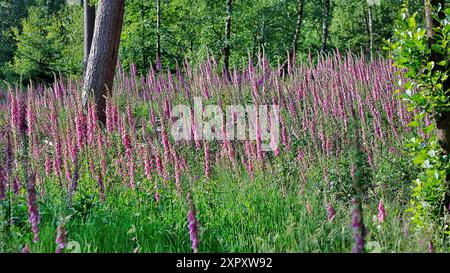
x: 332, y: 182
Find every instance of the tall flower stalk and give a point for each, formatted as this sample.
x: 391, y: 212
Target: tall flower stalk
x: 193, y: 224
x: 33, y: 212
x: 61, y: 238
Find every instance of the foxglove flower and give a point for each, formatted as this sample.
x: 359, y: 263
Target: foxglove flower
x: 300, y: 155
x: 165, y: 143
x: 109, y: 116
x: 177, y: 172
x: 31, y: 118
x: 22, y: 122
x: 358, y: 228
x: 131, y: 174
x: 101, y: 186
x: 61, y: 238
x: 17, y: 185
x: 33, y: 212
x: 2, y: 184
x: 156, y: 197
x: 381, y: 212
x: 14, y: 111
x: 159, y: 167
x: 126, y: 141
x: 206, y: 153
x: 80, y: 124
x: 57, y: 162
x: 308, y: 208
x: 48, y: 165
x: 193, y: 224
x: 147, y: 165
x: 92, y: 123
x: 331, y: 213
x: 258, y: 135
x: 25, y: 249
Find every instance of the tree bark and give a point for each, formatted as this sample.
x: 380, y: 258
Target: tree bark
x: 298, y: 27
x: 143, y: 32
x: 325, y: 24
x: 370, y: 26
x: 103, y: 55
x: 158, y: 35
x: 89, y: 23
x: 442, y: 121
x: 227, y: 45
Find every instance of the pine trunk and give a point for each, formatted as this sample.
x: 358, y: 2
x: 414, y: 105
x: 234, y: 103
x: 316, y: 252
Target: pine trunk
x: 158, y: 35
x: 442, y: 121
x: 227, y: 46
x: 89, y: 23
x: 298, y: 27
x: 103, y: 55
x: 370, y: 26
x: 325, y: 24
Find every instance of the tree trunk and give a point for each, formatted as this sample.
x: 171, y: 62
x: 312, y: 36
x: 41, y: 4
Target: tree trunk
x: 325, y: 24
x: 89, y: 23
x: 143, y: 32
x: 442, y: 121
x: 370, y: 26
x: 158, y: 35
x: 103, y: 55
x: 298, y: 27
x: 227, y: 46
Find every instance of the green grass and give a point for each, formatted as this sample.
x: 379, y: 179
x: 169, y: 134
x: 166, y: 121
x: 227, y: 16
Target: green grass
x: 236, y: 214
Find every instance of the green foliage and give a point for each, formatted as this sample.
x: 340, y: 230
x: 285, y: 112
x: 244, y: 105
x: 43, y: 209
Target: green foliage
x: 194, y: 29
x: 48, y: 47
x: 11, y: 14
x: 189, y: 29
x: 426, y: 96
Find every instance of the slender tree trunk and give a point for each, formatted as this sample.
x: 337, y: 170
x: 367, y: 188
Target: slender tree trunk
x: 298, y: 27
x: 143, y: 32
x: 325, y: 24
x: 89, y: 23
x: 443, y: 121
x: 255, y: 45
x: 158, y: 35
x: 104, y: 52
x: 227, y: 46
x: 370, y: 26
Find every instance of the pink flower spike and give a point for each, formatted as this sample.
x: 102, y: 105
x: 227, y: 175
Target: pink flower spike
x: 331, y: 213
x: 381, y: 212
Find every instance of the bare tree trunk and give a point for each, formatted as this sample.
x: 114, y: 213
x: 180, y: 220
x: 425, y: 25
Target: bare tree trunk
x: 227, y: 46
x: 443, y: 121
x: 158, y: 35
x: 143, y: 32
x: 89, y: 23
x: 298, y: 27
x: 370, y: 26
x: 325, y: 24
x: 428, y: 20
x: 104, y: 52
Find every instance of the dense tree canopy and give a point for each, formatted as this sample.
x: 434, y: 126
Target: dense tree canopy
x: 188, y: 29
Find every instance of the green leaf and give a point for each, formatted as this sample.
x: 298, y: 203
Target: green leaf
x: 414, y: 124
